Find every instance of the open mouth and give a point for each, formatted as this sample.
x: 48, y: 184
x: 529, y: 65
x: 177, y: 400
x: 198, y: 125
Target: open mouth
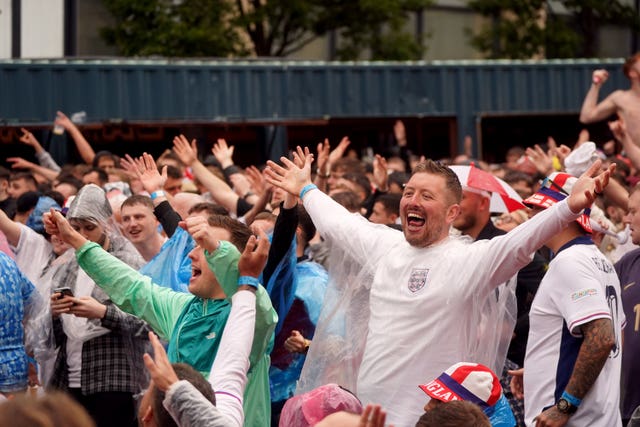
x: 195, y: 273
x: 135, y: 232
x: 415, y: 220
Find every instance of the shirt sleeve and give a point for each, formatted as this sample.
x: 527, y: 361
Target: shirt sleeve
x: 577, y: 292
x: 167, y: 217
x: 45, y: 160
x: 499, y: 259
x: 366, y: 242
x: 131, y: 291
x: 189, y: 408
x: 224, y: 264
x: 229, y: 372
x: 116, y: 320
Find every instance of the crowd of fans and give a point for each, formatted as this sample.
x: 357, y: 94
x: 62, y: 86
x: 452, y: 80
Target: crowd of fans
x: 324, y: 289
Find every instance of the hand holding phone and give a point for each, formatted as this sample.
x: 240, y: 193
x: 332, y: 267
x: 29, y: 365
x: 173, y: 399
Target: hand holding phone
x: 64, y: 292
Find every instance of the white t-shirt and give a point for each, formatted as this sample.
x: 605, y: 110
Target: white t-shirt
x: 580, y: 286
x: 422, y: 299
x: 33, y: 255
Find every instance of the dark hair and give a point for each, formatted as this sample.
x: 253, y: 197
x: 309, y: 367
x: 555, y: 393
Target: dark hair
x: 69, y: 179
x: 209, y: 208
x: 240, y: 233
x: 27, y: 176
x: 628, y: 63
x: 348, y: 199
x: 184, y: 372
x: 53, y: 409
x: 391, y: 202
x: 511, y: 177
x: 138, y: 199
x: 173, y: 172
x: 306, y: 224
x: 102, y: 175
x: 361, y: 181
x: 451, y: 179
x: 348, y: 165
x: 27, y: 201
x: 4, y: 174
x: 265, y: 216
x: 101, y: 154
x: 398, y: 178
x: 457, y: 413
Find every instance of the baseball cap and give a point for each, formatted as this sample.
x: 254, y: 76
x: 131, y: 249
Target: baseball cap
x: 554, y: 188
x: 310, y: 408
x: 466, y: 381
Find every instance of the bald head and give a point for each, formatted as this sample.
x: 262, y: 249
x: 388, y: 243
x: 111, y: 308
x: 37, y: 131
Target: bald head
x: 182, y: 202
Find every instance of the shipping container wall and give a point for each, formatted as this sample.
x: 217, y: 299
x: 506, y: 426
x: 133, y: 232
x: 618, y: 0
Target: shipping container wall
x: 216, y: 91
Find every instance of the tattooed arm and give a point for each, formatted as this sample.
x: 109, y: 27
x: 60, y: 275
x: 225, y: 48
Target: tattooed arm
x: 598, y: 342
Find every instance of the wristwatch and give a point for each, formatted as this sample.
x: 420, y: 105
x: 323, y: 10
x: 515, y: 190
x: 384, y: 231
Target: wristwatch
x: 564, y: 407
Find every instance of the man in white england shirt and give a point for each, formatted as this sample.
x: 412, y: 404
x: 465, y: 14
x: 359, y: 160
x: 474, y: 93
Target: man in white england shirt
x: 426, y: 285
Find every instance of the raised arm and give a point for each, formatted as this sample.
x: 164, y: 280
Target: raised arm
x: 44, y: 158
x: 20, y: 163
x: 131, y: 291
x: 591, y: 111
x: 10, y: 228
x: 219, y: 189
x: 505, y: 255
x: 83, y: 146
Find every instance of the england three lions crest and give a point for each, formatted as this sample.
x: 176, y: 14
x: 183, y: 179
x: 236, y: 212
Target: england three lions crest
x: 418, y: 279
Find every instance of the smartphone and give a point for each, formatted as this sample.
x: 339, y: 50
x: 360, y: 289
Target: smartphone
x: 66, y: 291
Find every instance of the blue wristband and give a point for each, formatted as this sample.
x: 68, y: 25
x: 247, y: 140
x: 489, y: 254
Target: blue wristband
x: 571, y: 399
x: 307, y: 188
x: 249, y: 281
x: 156, y: 194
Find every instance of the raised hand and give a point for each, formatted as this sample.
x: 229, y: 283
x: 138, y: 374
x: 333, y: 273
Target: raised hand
x: 324, y: 168
x: 28, y: 139
x: 64, y: 121
x: 148, y: 174
x: 380, y: 174
x: 56, y: 224
x: 20, y: 163
x: 223, y: 153
x: 542, y: 161
x: 187, y: 153
x: 589, y: 186
x: 290, y: 177
x: 599, y: 77
x: 159, y: 367
x: 254, y: 256
x: 199, y: 228
x: 583, y: 136
x: 256, y: 179
x: 339, y: 151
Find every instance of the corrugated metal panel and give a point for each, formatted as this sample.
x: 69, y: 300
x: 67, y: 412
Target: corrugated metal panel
x: 163, y: 90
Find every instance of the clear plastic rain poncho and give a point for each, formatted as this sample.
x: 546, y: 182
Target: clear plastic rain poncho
x: 90, y: 204
x: 338, y: 345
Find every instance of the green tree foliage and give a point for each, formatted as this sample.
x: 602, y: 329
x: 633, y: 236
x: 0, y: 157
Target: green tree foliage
x: 190, y: 28
x: 519, y: 29
x: 363, y: 28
